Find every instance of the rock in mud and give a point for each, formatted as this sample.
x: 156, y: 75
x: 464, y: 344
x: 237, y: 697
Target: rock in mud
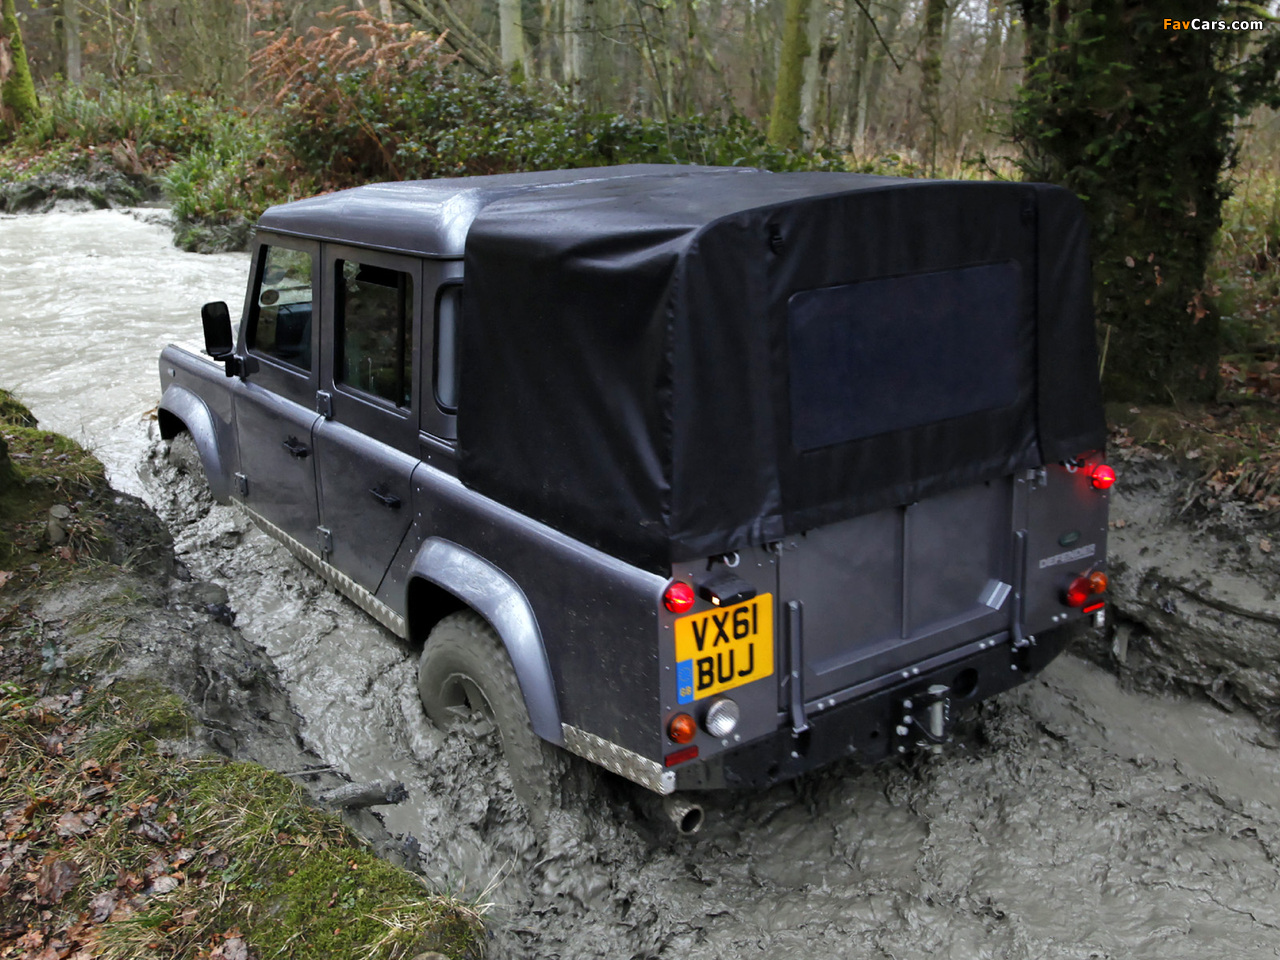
x: 359, y: 795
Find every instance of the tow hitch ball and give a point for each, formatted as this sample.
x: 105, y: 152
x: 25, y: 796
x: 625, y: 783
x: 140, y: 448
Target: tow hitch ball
x: 926, y: 718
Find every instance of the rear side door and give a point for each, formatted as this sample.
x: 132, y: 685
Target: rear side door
x: 366, y: 444
x: 275, y: 400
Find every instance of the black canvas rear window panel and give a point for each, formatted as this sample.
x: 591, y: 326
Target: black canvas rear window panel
x: 882, y: 355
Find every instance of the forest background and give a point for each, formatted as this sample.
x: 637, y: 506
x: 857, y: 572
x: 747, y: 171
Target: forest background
x: 1168, y: 130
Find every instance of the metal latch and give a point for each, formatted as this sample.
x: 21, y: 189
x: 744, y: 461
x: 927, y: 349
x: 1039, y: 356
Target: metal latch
x: 242, y: 484
x: 325, y: 536
x: 324, y: 404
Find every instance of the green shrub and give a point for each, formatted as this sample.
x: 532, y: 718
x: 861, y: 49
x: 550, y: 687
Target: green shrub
x: 97, y: 112
x: 400, y: 108
x: 236, y: 172
x: 1245, y: 269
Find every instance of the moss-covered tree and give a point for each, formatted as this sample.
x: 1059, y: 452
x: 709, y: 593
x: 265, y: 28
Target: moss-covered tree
x: 17, y: 92
x: 1136, y: 115
x: 784, y: 118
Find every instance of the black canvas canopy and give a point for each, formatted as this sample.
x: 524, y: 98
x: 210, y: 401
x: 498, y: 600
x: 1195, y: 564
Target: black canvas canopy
x: 673, y: 366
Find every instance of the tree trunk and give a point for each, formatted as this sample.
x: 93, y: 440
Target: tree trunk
x: 17, y: 91
x: 864, y: 80
x: 810, y: 95
x: 546, y: 46
x: 72, y: 68
x: 935, y: 12
x: 574, y: 51
x: 888, y: 32
x: 784, y: 118
x: 511, y: 37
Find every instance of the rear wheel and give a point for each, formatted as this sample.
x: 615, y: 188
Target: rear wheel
x: 465, y: 672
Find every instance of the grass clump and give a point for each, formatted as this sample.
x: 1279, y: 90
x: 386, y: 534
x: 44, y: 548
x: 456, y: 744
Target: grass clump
x: 111, y: 845
x: 38, y: 471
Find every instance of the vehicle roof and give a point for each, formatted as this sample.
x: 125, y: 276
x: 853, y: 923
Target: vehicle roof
x: 432, y: 217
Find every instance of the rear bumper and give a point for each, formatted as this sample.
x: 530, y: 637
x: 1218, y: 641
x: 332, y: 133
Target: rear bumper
x: 861, y: 724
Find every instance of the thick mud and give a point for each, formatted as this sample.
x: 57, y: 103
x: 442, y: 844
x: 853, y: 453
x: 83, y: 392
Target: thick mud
x: 1071, y: 818
x: 1078, y: 816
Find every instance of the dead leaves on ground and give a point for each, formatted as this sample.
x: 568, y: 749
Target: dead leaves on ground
x: 1240, y: 459
x: 80, y: 850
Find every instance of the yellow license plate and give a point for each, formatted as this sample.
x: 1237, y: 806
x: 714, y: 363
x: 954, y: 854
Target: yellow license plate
x: 722, y: 649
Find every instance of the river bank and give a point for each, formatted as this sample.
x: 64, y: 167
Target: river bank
x: 133, y: 719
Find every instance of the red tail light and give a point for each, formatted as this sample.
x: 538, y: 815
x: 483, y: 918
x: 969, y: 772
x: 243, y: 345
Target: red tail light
x: 1082, y: 588
x: 1078, y: 592
x: 1102, y: 477
x: 678, y: 597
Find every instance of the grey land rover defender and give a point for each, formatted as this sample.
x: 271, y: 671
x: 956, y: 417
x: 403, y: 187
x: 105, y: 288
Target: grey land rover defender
x: 709, y: 475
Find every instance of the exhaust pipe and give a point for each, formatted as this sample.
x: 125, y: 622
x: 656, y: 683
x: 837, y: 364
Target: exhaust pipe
x: 685, y: 815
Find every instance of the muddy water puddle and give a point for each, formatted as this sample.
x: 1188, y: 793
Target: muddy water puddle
x: 1070, y: 819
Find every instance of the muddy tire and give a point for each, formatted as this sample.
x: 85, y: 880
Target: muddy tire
x: 184, y: 455
x: 464, y: 672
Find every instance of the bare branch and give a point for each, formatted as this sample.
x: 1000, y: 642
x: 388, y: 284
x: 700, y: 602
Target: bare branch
x: 883, y: 43
x: 459, y: 37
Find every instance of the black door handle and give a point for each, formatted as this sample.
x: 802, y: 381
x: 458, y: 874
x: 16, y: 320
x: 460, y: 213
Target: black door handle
x: 295, y: 448
x: 386, y: 499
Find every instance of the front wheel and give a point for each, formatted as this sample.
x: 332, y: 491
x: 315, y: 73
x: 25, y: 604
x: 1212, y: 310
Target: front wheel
x: 465, y: 671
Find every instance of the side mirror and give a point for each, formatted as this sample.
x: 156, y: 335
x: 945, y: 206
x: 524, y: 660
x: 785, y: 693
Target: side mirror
x: 218, y: 340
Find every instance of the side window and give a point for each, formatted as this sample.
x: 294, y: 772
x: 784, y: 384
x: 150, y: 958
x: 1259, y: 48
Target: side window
x: 281, y: 323
x: 375, y: 330
x: 448, y: 323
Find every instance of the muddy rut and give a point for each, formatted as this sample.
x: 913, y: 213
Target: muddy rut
x: 1075, y: 817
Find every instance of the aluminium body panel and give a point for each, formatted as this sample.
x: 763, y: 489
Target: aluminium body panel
x: 1066, y: 539
x: 194, y: 388
x: 713, y: 658
x: 598, y: 616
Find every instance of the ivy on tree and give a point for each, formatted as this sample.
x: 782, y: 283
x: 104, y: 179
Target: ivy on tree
x: 17, y: 92
x: 1137, y: 119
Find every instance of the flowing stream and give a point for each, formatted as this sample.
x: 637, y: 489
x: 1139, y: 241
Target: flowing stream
x: 1071, y: 819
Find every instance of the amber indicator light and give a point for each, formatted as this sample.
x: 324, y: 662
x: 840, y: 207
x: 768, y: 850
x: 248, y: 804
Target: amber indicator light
x: 682, y: 728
